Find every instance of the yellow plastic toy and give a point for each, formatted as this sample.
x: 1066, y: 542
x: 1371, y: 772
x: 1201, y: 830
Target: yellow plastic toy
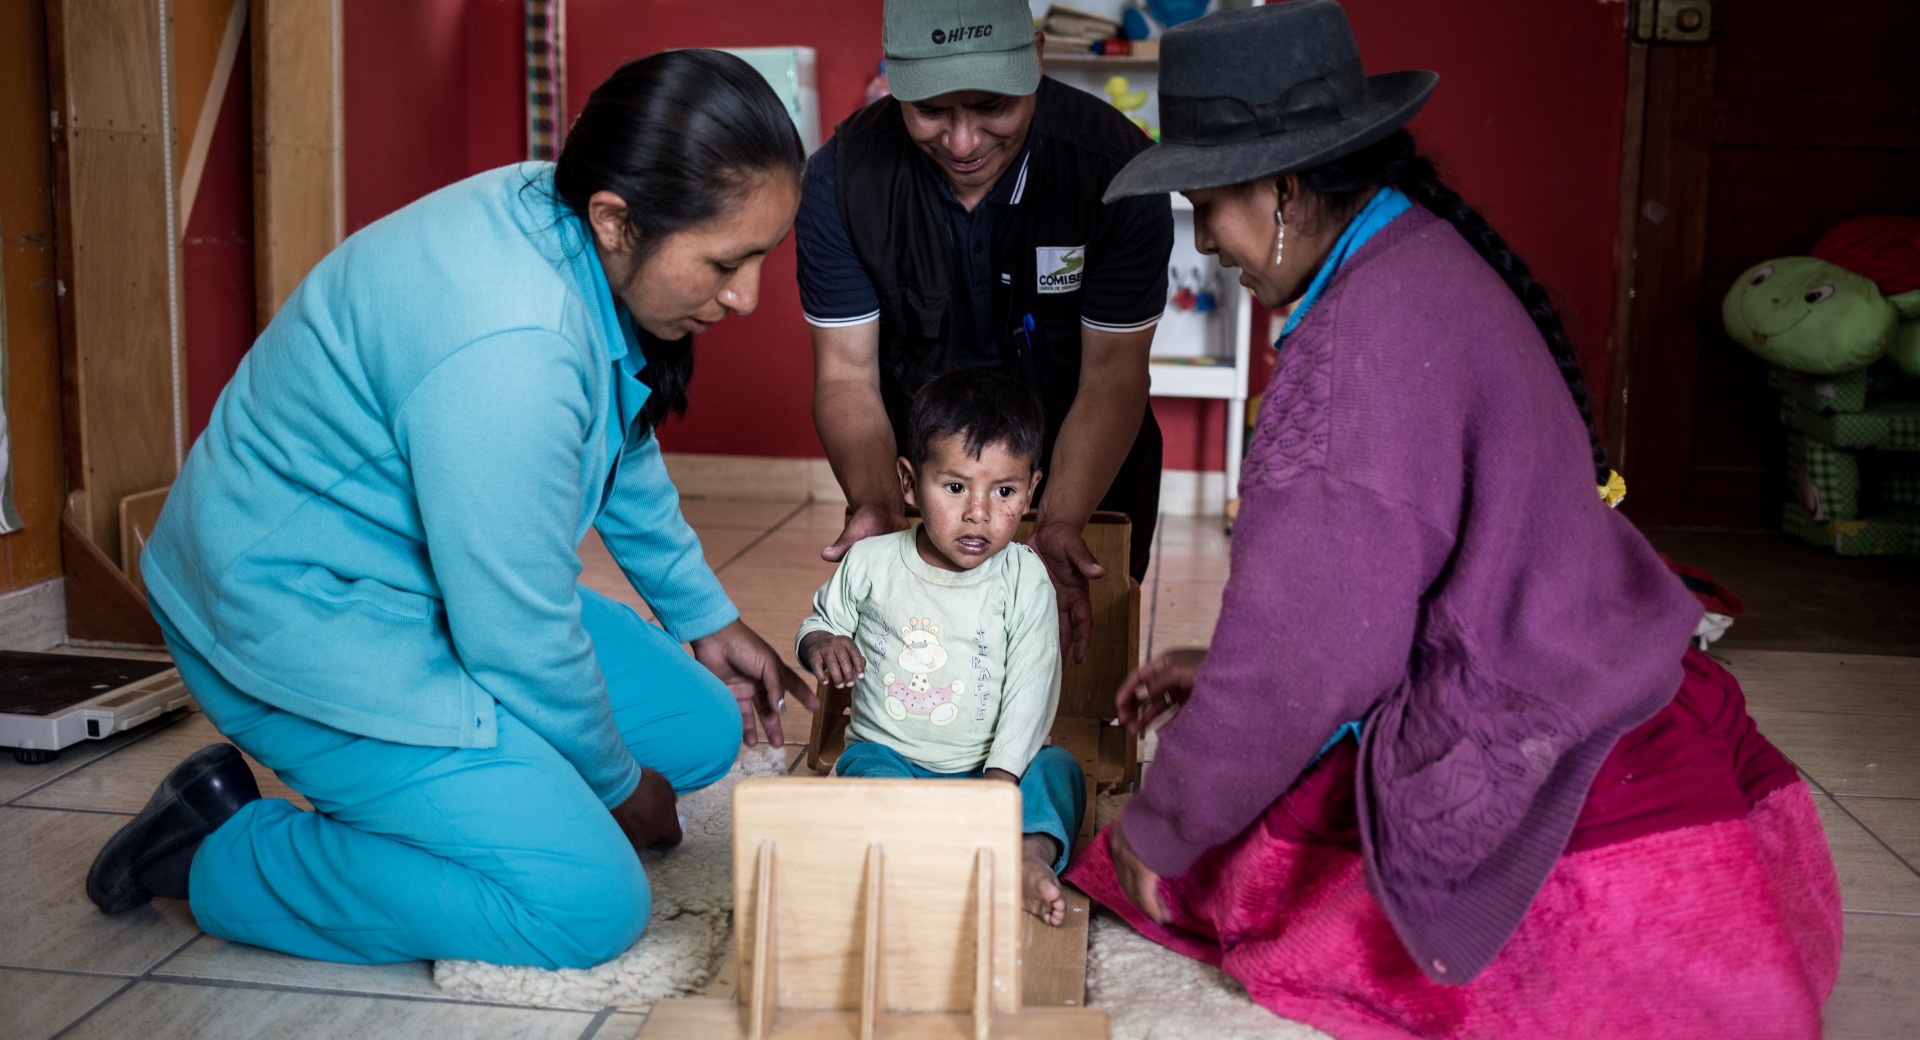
x: 1126, y: 99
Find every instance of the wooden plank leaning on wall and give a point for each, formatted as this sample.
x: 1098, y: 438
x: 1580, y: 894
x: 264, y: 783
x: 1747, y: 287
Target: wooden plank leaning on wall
x: 117, y: 259
x: 118, y: 256
x: 297, y: 199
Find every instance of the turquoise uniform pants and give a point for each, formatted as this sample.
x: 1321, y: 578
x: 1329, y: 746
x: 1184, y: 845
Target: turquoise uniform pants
x: 1053, y: 790
x: 501, y: 854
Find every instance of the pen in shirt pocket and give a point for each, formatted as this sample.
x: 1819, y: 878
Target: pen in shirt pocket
x: 1025, y: 332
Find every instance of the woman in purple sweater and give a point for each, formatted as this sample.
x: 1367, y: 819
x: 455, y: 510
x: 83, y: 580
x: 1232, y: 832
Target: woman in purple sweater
x: 1449, y: 767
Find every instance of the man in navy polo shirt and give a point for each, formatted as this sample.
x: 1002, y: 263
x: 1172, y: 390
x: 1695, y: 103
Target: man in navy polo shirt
x: 960, y: 223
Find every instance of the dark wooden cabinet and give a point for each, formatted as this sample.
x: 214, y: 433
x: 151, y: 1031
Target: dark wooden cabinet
x: 1792, y: 118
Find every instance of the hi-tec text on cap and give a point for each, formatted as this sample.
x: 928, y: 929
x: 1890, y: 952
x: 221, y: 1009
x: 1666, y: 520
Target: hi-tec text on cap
x: 961, y: 32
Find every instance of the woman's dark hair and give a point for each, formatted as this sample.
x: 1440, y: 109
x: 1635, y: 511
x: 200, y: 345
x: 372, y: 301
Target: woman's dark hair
x: 1395, y: 161
x: 680, y: 136
x: 981, y: 407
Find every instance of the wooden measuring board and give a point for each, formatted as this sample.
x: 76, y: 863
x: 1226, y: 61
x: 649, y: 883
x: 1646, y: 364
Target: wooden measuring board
x: 875, y: 909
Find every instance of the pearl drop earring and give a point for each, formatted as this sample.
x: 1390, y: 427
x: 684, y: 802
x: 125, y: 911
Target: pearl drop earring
x: 1280, y: 236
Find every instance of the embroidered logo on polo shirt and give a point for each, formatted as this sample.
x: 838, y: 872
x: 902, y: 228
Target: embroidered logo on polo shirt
x: 1060, y: 268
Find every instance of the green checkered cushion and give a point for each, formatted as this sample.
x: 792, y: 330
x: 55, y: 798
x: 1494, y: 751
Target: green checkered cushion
x: 1896, y: 479
x: 1825, y: 394
x: 1893, y: 425
x: 1826, y: 479
x: 1892, y: 532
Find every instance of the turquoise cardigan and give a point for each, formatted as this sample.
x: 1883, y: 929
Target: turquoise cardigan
x: 379, y: 528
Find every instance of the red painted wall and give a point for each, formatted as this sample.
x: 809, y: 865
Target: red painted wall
x: 432, y: 93
x: 1526, y: 124
x: 753, y: 375
x: 216, y: 255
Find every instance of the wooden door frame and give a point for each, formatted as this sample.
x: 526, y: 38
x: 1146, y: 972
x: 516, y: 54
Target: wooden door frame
x: 1614, y: 412
x: 1665, y: 162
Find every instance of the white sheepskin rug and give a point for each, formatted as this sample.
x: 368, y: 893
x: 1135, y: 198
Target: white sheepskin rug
x: 686, y: 938
x: 1153, y: 993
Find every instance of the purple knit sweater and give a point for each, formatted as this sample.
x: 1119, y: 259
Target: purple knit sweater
x: 1420, y: 543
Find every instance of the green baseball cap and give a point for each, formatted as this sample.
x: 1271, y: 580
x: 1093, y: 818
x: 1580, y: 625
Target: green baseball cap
x: 936, y: 47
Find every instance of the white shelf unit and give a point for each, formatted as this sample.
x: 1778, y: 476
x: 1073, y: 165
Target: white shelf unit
x: 1226, y: 381
x: 1185, y: 336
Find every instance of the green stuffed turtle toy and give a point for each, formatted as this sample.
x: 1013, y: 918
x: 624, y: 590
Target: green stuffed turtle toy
x: 1805, y: 314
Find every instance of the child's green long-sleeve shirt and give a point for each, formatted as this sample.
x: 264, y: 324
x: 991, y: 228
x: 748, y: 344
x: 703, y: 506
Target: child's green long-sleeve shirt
x: 963, y: 668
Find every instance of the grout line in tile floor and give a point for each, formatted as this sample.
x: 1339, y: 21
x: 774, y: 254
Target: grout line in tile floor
x: 324, y: 991
x: 152, y: 976
x: 762, y: 536
x: 82, y: 972
x: 90, y: 1012
x: 73, y: 809
x: 1842, y: 806
x: 158, y: 973
x: 1881, y: 913
x: 593, y: 1024
x: 168, y: 959
x: 131, y: 983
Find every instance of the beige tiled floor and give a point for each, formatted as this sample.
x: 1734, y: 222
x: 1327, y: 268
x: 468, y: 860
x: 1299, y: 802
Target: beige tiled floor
x: 1851, y: 722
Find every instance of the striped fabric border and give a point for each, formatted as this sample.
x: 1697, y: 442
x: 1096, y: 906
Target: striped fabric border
x: 841, y: 323
x: 1097, y: 326
x: 1020, y: 183
x: 1138, y: 326
x: 546, y: 77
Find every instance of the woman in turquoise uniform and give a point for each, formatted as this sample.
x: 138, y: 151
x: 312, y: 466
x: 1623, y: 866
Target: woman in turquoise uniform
x: 367, y: 571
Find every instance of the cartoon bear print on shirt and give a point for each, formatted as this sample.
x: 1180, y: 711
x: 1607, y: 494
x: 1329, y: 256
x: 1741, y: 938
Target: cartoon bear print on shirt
x: 921, y: 655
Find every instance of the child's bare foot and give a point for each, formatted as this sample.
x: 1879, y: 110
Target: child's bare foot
x: 1039, y: 888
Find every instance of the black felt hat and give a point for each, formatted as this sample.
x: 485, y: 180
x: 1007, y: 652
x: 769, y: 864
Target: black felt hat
x: 1265, y: 91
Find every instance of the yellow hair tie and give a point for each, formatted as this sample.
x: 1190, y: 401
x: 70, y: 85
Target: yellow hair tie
x: 1614, y: 490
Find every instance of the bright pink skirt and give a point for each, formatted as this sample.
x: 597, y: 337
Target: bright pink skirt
x: 1696, y: 898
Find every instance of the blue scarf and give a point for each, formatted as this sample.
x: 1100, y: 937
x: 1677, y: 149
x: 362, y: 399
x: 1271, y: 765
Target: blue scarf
x: 1386, y: 204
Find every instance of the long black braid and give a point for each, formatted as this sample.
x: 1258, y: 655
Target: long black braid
x: 1395, y: 160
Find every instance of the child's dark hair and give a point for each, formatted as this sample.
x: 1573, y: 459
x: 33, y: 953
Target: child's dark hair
x: 1396, y: 161
x: 981, y: 407
x: 680, y: 136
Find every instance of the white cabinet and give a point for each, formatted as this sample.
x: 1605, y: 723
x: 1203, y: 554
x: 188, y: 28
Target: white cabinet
x: 1206, y: 355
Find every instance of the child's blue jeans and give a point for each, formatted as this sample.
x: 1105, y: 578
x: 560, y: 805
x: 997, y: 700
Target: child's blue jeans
x: 1053, y: 791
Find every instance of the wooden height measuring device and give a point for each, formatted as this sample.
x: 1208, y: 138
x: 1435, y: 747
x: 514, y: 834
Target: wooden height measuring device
x: 875, y: 910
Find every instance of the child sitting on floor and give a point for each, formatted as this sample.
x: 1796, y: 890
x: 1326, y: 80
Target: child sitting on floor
x: 962, y: 622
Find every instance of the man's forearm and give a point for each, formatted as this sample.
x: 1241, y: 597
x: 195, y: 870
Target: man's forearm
x: 853, y: 427
x: 1098, y: 432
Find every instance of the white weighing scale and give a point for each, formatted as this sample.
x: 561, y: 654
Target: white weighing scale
x: 50, y: 702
